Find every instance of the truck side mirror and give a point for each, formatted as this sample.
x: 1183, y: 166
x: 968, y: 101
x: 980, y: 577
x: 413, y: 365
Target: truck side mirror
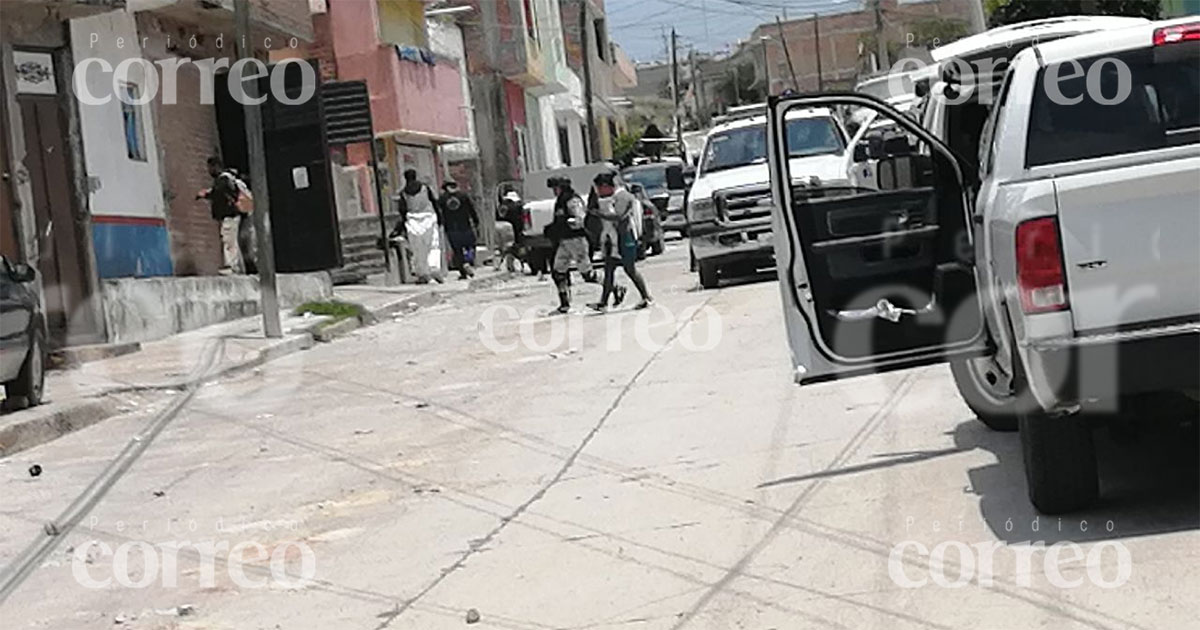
x: 875, y: 148
x: 861, y: 151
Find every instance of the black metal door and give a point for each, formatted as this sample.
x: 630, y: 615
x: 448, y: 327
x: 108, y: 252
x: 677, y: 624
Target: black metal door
x: 303, y: 212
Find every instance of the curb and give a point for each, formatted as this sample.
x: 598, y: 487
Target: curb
x: 377, y: 315
x: 54, y: 420
x: 408, y: 304
x: 75, y: 356
x: 479, y: 284
x: 45, y: 423
x: 336, y: 329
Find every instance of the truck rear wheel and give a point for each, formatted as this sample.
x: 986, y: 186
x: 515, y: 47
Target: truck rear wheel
x: 1059, y: 455
x: 989, y: 394
x: 1060, y: 462
x: 709, y: 274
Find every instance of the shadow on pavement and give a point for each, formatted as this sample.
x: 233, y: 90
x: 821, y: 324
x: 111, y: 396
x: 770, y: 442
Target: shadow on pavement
x: 1148, y: 485
x: 883, y: 460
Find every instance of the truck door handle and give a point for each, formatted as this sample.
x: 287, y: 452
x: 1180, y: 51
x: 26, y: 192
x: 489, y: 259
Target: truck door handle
x: 885, y: 310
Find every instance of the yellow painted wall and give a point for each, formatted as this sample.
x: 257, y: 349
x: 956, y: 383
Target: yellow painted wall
x: 606, y: 139
x: 402, y: 22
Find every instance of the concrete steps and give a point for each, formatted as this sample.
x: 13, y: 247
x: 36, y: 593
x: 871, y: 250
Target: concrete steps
x: 361, y: 256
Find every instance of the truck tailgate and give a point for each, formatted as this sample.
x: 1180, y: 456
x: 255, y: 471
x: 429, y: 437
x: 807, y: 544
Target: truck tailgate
x: 1131, y: 244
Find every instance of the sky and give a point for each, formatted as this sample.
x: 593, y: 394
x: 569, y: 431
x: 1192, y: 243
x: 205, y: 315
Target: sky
x: 708, y: 25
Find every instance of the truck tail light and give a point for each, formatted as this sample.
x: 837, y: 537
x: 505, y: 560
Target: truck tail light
x: 1041, y: 280
x: 1178, y: 33
x: 528, y: 219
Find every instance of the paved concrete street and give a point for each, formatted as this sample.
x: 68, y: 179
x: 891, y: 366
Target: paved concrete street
x: 483, y: 462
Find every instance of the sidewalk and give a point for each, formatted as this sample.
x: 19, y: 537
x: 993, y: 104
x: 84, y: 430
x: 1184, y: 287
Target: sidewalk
x: 84, y: 395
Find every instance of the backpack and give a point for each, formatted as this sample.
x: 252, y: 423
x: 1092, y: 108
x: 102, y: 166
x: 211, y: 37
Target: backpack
x: 245, y: 200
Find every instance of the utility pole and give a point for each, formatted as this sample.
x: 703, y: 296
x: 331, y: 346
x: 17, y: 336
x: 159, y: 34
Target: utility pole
x: 258, y: 181
x: 978, y: 21
x: 817, y: 43
x: 880, y: 44
x: 734, y: 77
x: 695, y: 84
x: 592, y: 146
x: 788, y: 55
x: 675, y: 87
x: 762, y: 40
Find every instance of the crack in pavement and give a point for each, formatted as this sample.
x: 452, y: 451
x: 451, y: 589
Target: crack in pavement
x: 856, y: 442
x: 717, y: 498
x: 390, y: 616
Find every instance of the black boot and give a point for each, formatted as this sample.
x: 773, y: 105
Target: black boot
x: 562, y: 281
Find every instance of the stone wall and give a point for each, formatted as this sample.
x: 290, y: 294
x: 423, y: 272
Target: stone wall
x: 145, y: 309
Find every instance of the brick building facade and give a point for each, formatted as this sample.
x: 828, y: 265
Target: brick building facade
x: 847, y: 42
x: 188, y: 129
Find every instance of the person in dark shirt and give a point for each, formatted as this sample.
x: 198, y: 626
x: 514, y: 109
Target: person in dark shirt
x: 512, y: 212
x: 222, y: 197
x: 566, y: 231
x: 461, y: 222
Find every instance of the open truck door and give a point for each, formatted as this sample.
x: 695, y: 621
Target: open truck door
x: 875, y: 280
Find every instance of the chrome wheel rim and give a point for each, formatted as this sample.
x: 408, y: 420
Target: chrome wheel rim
x: 990, y: 380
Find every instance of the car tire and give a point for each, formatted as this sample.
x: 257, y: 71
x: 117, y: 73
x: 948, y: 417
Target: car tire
x: 1060, y: 462
x: 998, y: 411
x: 709, y: 274
x: 30, y: 382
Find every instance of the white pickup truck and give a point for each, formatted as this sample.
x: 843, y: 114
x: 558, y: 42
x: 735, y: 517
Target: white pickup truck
x: 728, y: 206
x: 1070, y: 264
x: 538, y: 201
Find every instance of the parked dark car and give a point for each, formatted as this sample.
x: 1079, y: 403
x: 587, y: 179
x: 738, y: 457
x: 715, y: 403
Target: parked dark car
x: 22, y: 336
x: 666, y: 185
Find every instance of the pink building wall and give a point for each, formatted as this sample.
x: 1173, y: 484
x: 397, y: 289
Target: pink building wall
x: 406, y: 96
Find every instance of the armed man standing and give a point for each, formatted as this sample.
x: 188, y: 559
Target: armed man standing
x: 568, y: 234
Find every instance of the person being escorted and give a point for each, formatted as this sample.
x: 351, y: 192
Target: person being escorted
x: 420, y: 224
x: 461, y: 223
x: 513, y: 213
x: 619, y: 211
x: 222, y: 197
x: 569, y: 236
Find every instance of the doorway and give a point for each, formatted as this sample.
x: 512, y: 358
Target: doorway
x: 60, y: 261
x: 9, y: 246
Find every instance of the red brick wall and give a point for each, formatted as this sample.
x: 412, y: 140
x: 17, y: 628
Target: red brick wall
x: 322, y: 47
x: 187, y: 133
